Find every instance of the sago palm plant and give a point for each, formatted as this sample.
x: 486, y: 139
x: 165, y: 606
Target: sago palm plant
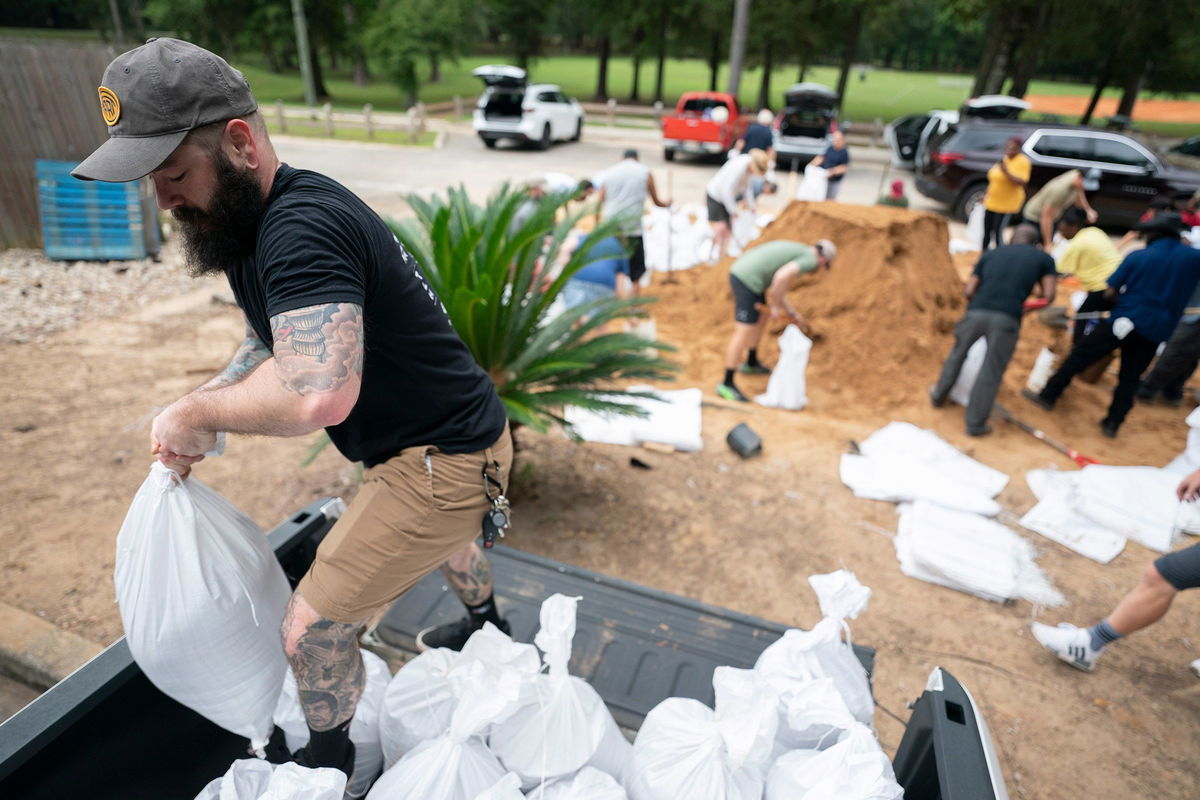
x: 489, y: 272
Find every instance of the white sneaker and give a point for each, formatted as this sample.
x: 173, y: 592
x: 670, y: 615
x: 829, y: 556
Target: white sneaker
x: 1070, y: 643
x: 1196, y: 667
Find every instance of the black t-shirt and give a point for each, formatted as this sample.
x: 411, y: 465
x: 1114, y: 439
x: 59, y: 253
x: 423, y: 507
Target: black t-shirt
x: 318, y: 243
x: 1007, y: 275
x: 757, y: 137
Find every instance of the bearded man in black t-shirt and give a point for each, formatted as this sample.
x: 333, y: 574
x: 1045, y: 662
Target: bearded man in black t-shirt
x: 343, y: 333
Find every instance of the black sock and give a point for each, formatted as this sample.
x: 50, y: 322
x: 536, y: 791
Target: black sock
x: 729, y: 377
x: 752, y: 359
x: 330, y: 748
x: 484, y: 612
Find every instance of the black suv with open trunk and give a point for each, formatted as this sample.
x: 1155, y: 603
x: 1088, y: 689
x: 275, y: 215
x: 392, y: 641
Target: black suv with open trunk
x: 953, y: 167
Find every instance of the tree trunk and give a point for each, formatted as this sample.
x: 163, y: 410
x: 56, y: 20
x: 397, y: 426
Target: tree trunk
x: 118, y: 26
x: 849, y: 47
x: 1031, y: 51
x: 993, y: 35
x: 764, y: 88
x: 664, y: 25
x: 1101, y: 83
x: 737, y: 45
x: 635, y: 90
x: 602, y: 77
x: 1129, y: 92
x: 435, y: 67
x: 714, y: 61
x: 317, y: 77
x: 139, y: 24
x: 361, y: 74
x: 803, y: 70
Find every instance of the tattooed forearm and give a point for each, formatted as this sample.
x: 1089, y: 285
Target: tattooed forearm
x: 318, y: 348
x: 329, y: 671
x: 249, y: 355
x: 469, y: 574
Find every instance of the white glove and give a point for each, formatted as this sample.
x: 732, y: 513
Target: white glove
x: 1122, y: 327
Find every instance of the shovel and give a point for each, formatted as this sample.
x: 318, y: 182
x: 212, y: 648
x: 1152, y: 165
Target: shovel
x: 1074, y: 455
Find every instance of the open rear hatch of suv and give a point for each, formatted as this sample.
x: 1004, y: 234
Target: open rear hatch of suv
x: 505, y: 91
x: 809, y: 108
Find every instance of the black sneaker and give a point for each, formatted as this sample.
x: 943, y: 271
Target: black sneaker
x: 754, y: 369
x: 304, y: 758
x: 1172, y: 400
x: 1037, y: 399
x: 452, y: 635
x: 732, y: 393
x: 983, y: 430
x: 1108, y: 428
x: 934, y: 400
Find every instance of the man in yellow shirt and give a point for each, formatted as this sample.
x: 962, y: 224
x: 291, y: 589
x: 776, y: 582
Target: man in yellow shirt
x: 1006, y: 191
x: 1091, y: 257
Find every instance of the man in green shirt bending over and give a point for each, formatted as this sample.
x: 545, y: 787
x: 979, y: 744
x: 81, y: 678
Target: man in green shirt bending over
x: 761, y: 277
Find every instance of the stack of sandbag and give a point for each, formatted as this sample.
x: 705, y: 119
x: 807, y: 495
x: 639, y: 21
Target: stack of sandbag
x: 507, y: 788
x: 970, y: 553
x: 458, y: 764
x: 686, y: 749
x: 419, y: 702
x: 903, y: 463
x: 855, y: 768
x: 253, y: 779
x: 588, y: 784
x: 562, y: 723
x: 201, y: 598
x: 364, y: 728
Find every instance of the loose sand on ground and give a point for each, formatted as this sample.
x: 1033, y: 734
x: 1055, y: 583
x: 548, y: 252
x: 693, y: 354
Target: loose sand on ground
x: 741, y: 534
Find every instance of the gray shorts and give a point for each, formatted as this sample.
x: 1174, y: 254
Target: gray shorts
x: 1181, y: 569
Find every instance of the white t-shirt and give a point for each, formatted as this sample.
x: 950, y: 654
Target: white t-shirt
x: 625, y: 192
x: 731, y: 181
x: 560, y: 182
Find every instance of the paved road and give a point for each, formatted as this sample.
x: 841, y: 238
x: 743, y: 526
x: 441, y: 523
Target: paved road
x: 383, y: 174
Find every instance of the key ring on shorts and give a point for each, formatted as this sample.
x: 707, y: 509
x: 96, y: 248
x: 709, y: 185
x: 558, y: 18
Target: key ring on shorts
x: 492, y: 487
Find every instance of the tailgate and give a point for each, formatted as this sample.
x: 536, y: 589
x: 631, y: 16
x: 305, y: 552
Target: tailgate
x: 692, y: 128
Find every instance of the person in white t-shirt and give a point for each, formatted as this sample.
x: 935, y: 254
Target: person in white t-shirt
x: 622, y: 190
x: 733, y: 180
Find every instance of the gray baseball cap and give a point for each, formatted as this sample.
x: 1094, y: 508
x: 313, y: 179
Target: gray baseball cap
x: 151, y: 96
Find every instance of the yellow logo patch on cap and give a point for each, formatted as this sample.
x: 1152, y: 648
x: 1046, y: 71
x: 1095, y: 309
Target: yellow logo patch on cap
x: 110, y: 106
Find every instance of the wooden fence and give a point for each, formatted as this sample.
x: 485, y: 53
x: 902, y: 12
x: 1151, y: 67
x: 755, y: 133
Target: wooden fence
x: 48, y: 109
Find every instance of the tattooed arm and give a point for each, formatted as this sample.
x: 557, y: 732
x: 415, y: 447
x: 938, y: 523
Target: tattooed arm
x: 310, y: 382
x: 249, y: 355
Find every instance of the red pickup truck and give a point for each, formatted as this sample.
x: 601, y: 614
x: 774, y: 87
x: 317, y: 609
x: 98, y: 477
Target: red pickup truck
x: 704, y: 123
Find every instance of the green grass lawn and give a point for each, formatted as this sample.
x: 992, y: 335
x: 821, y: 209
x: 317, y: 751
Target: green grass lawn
x: 883, y: 94
x: 317, y: 130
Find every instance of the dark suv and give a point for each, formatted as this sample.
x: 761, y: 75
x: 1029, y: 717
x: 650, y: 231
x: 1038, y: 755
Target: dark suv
x: 953, y: 167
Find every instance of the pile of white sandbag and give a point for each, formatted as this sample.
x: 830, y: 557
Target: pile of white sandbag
x: 944, y: 535
x: 793, y: 728
x: 681, y: 237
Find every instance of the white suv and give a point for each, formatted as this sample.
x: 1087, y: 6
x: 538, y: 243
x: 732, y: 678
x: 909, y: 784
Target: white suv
x: 509, y: 108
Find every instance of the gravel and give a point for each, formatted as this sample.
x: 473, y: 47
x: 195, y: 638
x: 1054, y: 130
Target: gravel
x: 41, y: 297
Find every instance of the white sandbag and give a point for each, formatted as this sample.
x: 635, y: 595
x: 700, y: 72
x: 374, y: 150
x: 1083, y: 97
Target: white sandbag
x: 971, y: 554
x: 1055, y: 518
x: 898, y: 480
x: 812, y: 714
x: 685, y: 749
x: 814, y: 186
x: 562, y: 722
x: 787, y: 387
x: 855, y: 768
x: 1043, y: 368
x: 1188, y: 461
x: 674, y: 419
x: 1136, y: 502
x: 588, y: 784
x: 364, y: 728
x: 975, y: 226
x: 457, y: 765
x: 254, y: 779
x: 507, y: 788
x: 419, y: 701
x: 798, y: 665
x: 915, y: 444
x: 201, y: 598
x: 961, y: 391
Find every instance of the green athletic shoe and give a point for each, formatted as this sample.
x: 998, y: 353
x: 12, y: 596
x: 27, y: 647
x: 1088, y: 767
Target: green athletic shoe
x: 731, y: 393
x: 754, y: 369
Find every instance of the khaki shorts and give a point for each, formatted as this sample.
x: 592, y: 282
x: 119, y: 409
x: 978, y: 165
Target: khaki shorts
x: 413, y: 512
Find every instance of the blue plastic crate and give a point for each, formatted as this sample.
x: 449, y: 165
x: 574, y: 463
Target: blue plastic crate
x: 88, y: 220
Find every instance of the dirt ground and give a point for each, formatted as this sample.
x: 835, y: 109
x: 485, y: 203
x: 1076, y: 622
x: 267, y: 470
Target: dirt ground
x: 742, y: 534
x: 1146, y: 110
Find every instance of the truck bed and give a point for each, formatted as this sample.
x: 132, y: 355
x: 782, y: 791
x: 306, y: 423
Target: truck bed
x: 107, y: 732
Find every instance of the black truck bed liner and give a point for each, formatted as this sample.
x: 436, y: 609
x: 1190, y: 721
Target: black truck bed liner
x: 106, y: 732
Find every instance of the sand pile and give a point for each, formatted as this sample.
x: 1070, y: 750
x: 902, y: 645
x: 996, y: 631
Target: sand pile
x: 883, y: 316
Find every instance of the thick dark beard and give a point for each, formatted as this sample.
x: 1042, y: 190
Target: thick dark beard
x: 219, y: 239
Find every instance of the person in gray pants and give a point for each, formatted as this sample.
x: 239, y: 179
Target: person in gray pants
x: 997, y: 290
